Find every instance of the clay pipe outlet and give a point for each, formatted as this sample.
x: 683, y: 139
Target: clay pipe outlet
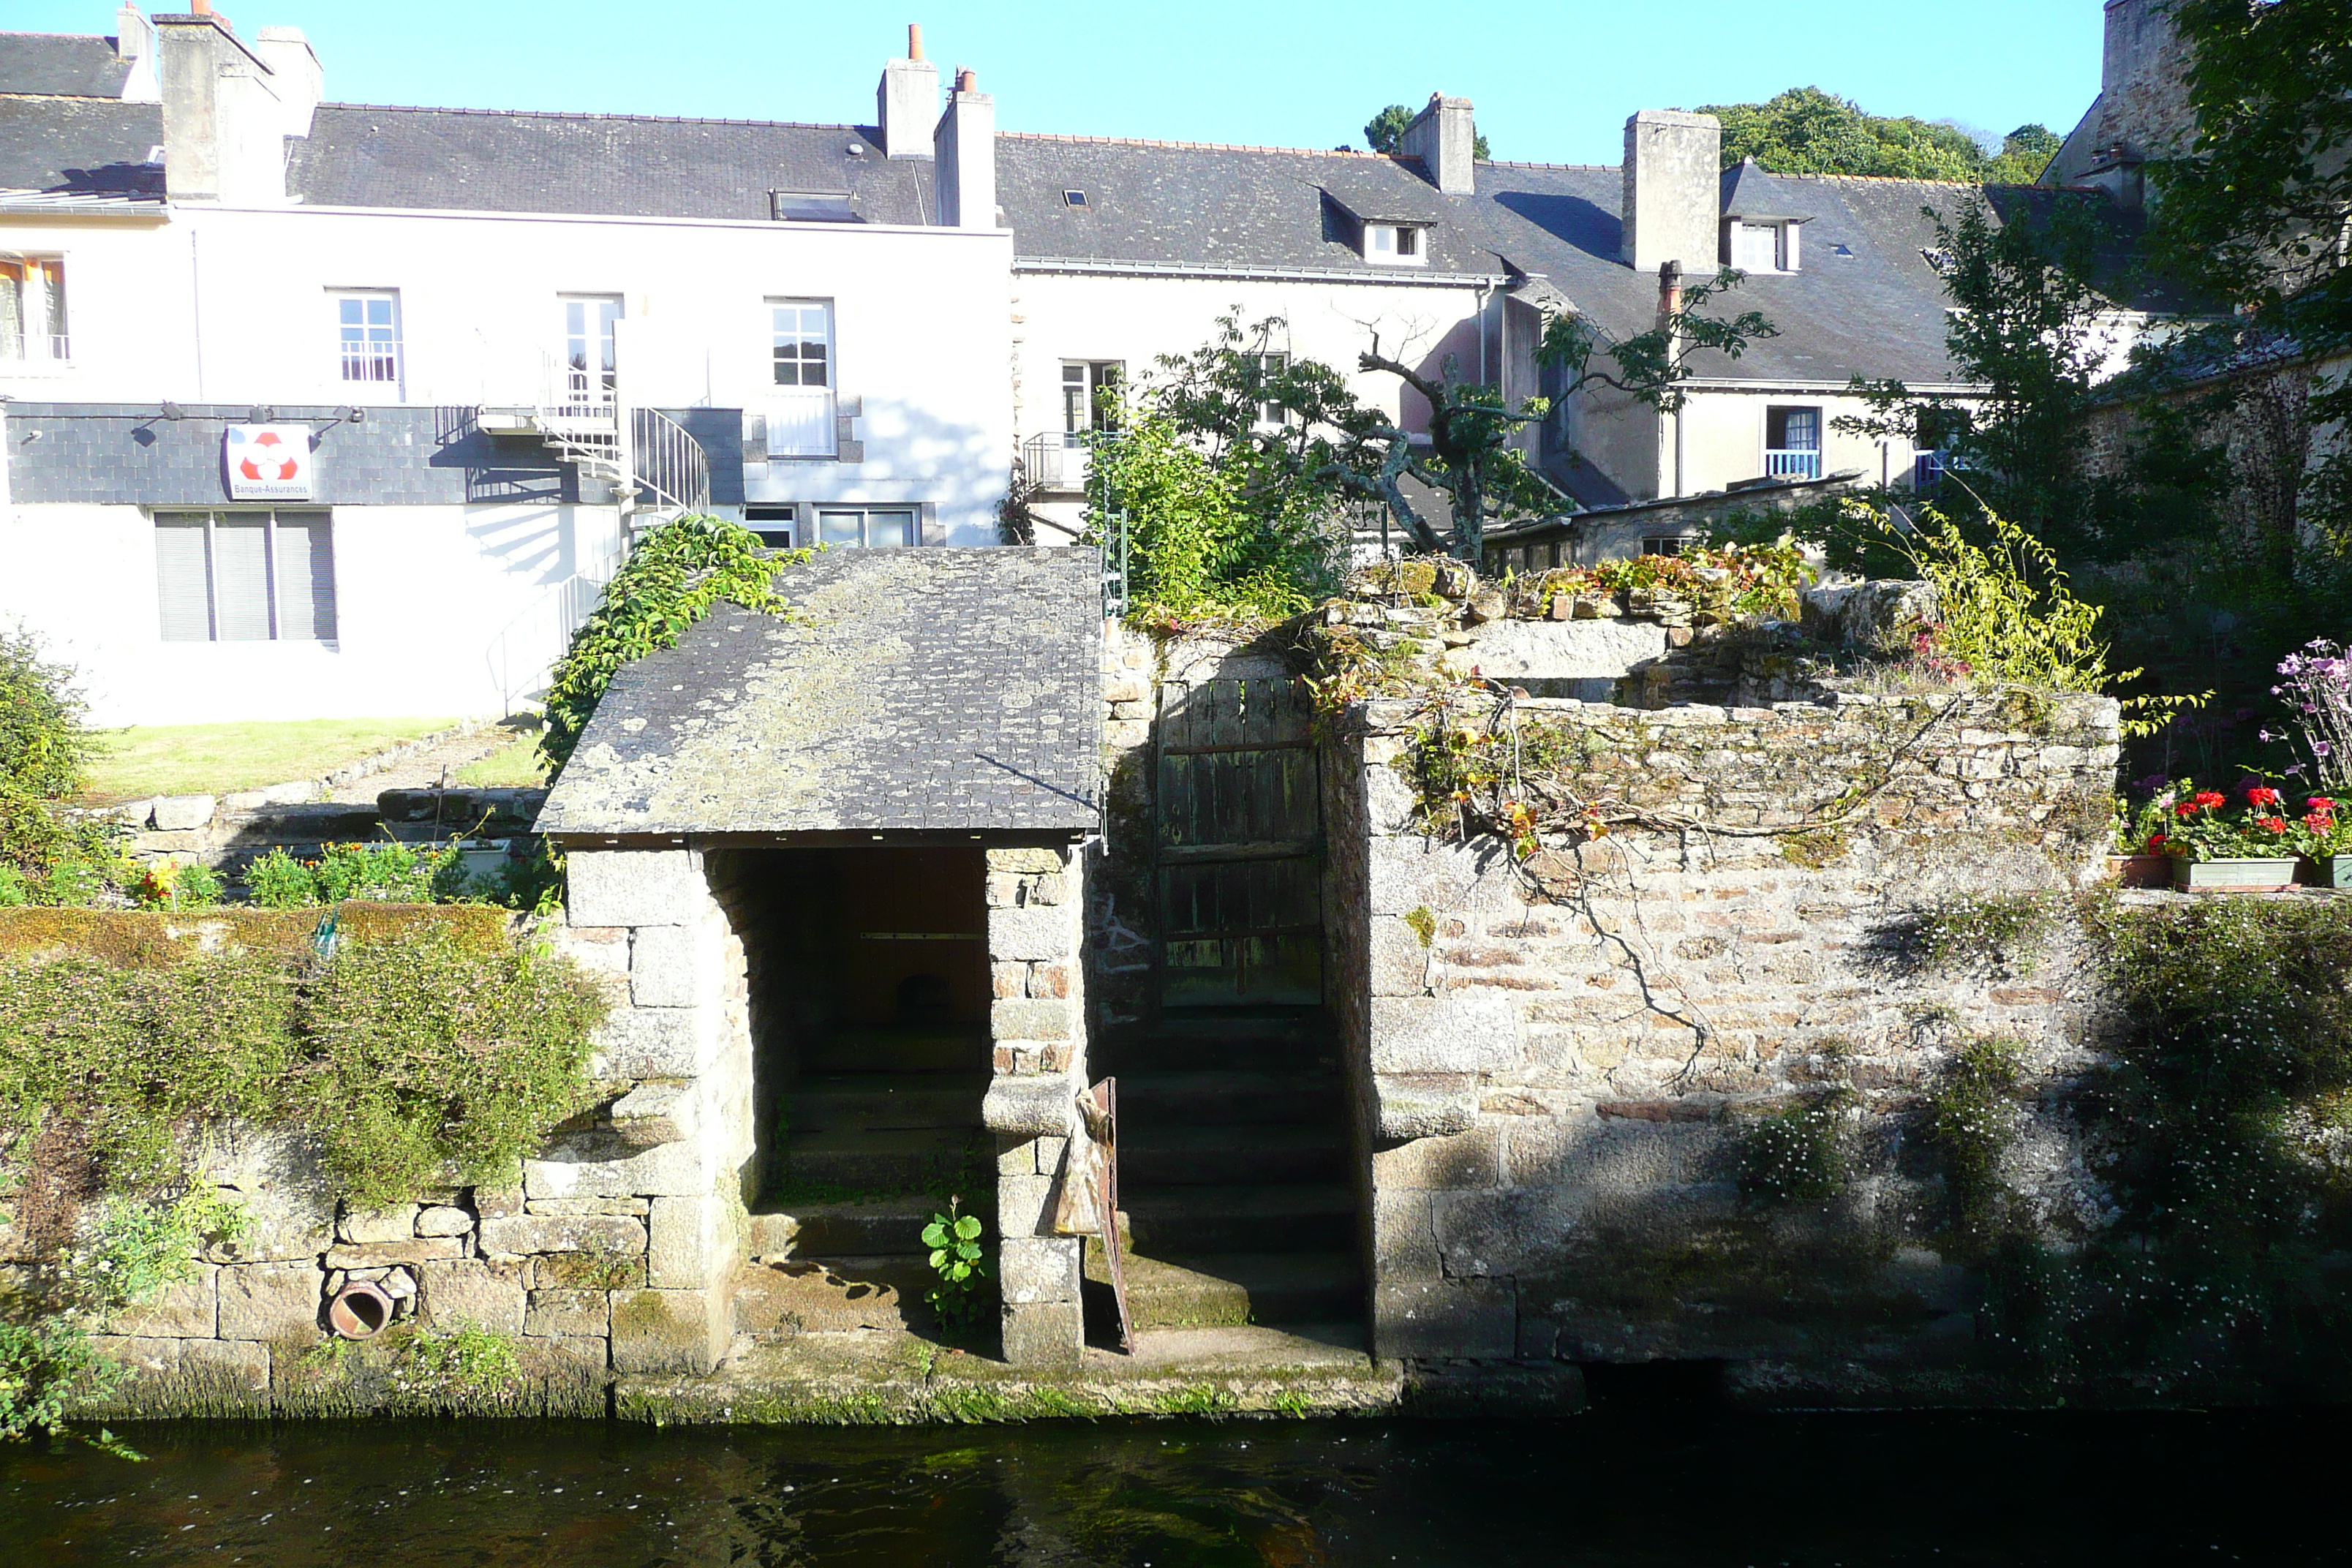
x: 360, y: 1310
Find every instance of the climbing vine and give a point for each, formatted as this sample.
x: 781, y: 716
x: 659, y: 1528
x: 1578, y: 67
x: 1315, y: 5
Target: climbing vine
x: 671, y: 579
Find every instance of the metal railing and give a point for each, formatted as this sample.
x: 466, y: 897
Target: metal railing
x: 1052, y: 463
x: 38, y: 348
x: 1793, y: 463
x: 523, y: 656
x: 667, y: 462
x: 1114, y: 566
x: 372, y: 362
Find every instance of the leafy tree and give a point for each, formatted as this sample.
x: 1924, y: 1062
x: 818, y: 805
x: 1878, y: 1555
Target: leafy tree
x: 1385, y: 130
x: 2024, y: 154
x: 1806, y: 131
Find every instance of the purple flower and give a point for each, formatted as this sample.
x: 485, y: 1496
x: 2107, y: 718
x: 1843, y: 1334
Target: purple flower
x: 2322, y: 749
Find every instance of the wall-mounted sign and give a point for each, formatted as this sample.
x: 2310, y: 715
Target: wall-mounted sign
x: 267, y: 462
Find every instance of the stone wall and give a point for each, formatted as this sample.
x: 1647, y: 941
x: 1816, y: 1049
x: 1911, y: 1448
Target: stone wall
x: 1555, y: 1059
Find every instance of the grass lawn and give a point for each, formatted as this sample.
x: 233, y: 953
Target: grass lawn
x: 215, y: 759
x: 514, y: 764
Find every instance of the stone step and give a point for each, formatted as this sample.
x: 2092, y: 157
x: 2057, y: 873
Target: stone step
x: 1154, y: 1155
x: 1229, y: 1096
x: 1212, y: 1290
x: 936, y: 1160
x: 877, y: 1227
x: 1305, y: 1217
x: 825, y: 1101
x: 878, y: 1049
x: 832, y: 1295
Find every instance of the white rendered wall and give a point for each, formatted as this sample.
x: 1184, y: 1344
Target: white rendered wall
x: 224, y: 305
x: 1136, y: 319
x: 424, y: 596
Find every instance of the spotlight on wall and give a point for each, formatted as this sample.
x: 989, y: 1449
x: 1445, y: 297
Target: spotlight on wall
x: 261, y: 415
x: 173, y: 411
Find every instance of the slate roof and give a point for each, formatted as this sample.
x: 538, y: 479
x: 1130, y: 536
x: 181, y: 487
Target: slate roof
x: 370, y: 155
x: 915, y: 689
x: 1197, y: 206
x: 81, y: 146
x: 74, y: 64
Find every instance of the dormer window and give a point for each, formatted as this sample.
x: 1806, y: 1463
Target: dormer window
x: 1394, y: 244
x: 1763, y: 247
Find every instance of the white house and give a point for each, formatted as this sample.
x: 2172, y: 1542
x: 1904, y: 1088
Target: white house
x: 497, y: 339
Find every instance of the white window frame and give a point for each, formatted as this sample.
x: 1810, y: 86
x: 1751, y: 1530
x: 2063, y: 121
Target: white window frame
x: 30, y: 345
x: 1085, y: 419
x: 1784, y: 244
x: 1788, y: 462
x: 1269, y: 362
x: 1384, y: 244
x: 802, y: 414
x: 364, y: 355
x: 821, y: 514
x: 212, y: 518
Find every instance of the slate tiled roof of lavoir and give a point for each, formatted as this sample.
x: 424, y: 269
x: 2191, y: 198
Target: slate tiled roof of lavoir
x: 368, y: 155
x: 937, y: 689
x: 79, y: 145
x: 78, y: 64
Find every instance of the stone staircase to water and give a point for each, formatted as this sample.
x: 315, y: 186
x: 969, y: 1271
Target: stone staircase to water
x: 1234, y: 1172
x: 881, y: 1127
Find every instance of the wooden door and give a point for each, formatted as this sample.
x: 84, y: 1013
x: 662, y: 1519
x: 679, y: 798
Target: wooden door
x: 1239, y: 845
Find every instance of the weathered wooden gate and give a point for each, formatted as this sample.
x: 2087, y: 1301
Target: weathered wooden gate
x: 1239, y: 845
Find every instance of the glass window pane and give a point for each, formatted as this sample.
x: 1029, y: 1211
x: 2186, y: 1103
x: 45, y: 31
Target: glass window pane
x: 183, y: 580
x: 839, y: 527
x: 241, y: 578
x: 890, y: 530
x: 349, y: 310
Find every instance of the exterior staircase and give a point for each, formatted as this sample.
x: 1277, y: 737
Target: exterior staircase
x: 1234, y: 1172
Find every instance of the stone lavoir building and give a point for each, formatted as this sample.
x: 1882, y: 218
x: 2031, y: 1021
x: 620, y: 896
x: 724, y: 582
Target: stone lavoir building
x: 886, y: 883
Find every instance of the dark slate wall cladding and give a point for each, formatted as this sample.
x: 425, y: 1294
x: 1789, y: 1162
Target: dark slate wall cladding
x: 129, y: 455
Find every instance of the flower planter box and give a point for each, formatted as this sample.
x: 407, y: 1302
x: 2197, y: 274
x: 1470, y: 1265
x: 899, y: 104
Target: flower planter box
x: 2141, y: 870
x: 2330, y: 871
x: 2233, y: 876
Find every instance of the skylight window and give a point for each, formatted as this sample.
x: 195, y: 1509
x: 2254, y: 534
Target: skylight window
x: 1074, y: 198
x: 811, y: 206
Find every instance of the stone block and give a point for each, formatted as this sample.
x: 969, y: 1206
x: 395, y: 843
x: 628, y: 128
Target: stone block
x: 1036, y: 1107
x: 772, y: 1235
x: 1044, y: 1333
x: 386, y: 1254
x: 283, y: 1187
x: 1025, y: 862
x: 395, y: 1223
x: 269, y: 1301
x: 1457, y: 1034
x: 1042, y: 932
x: 472, y: 1291
x: 1024, y: 1205
x: 561, y: 1313
x: 1032, y: 1268
x: 669, y: 1331
x: 189, y: 1309
x: 498, y: 1203
x: 1424, y: 1105
x: 179, y: 813
x: 237, y: 1364
x: 563, y: 1233
x: 1465, y: 1160
x: 1029, y: 1019
x: 1400, y: 960
x: 662, y: 968
x: 1008, y: 980
x: 441, y: 1219
x: 635, y: 887
x: 1504, y: 1230
x: 1404, y: 1245
x: 674, y: 1168
x: 1411, y: 873
x: 1471, y: 1320
x: 658, y: 1111
x: 649, y: 1041
x: 603, y: 951
x: 688, y: 1243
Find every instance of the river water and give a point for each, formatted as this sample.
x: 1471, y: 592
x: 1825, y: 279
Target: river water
x: 1606, y: 1490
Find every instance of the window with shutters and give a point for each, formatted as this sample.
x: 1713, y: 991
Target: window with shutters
x: 245, y: 577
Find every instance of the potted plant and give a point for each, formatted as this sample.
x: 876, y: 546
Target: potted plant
x: 2324, y: 841
x: 2247, y: 850
x: 2138, y: 859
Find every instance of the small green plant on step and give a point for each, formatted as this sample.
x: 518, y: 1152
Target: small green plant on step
x: 471, y: 1362
x: 47, y: 1367
x: 954, y: 1240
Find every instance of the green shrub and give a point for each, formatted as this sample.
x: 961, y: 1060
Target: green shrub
x: 468, y: 1362
x: 1987, y: 930
x: 670, y: 581
x: 48, y: 1365
x: 44, y: 747
x: 1971, y: 1120
x: 1798, y: 1154
x: 131, y: 1251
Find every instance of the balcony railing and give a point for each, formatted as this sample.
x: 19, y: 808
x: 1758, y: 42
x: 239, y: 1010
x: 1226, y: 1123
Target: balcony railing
x: 1052, y: 463
x: 36, y: 348
x: 1793, y: 463
x: 372, y: 362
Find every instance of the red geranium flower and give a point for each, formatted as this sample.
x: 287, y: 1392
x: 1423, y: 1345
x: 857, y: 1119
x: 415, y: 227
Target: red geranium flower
x: 2208, y: 799
x: 2155, y: 843
x: 2261, y: 796
x: 2271, y: 824
x: 2319, y: 805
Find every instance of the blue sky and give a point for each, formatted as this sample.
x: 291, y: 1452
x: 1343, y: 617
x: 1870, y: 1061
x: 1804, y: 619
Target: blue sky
x: 1554, y: 83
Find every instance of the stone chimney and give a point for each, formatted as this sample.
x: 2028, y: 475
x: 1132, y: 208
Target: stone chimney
x: 1442, y: 136
x: 906, y: 104
x: 2142, y: 112
x: 1674, y: 190
x: 965, y: 145
x: 295, y: 73
x: 226, y: 113
x: 134, y: 46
